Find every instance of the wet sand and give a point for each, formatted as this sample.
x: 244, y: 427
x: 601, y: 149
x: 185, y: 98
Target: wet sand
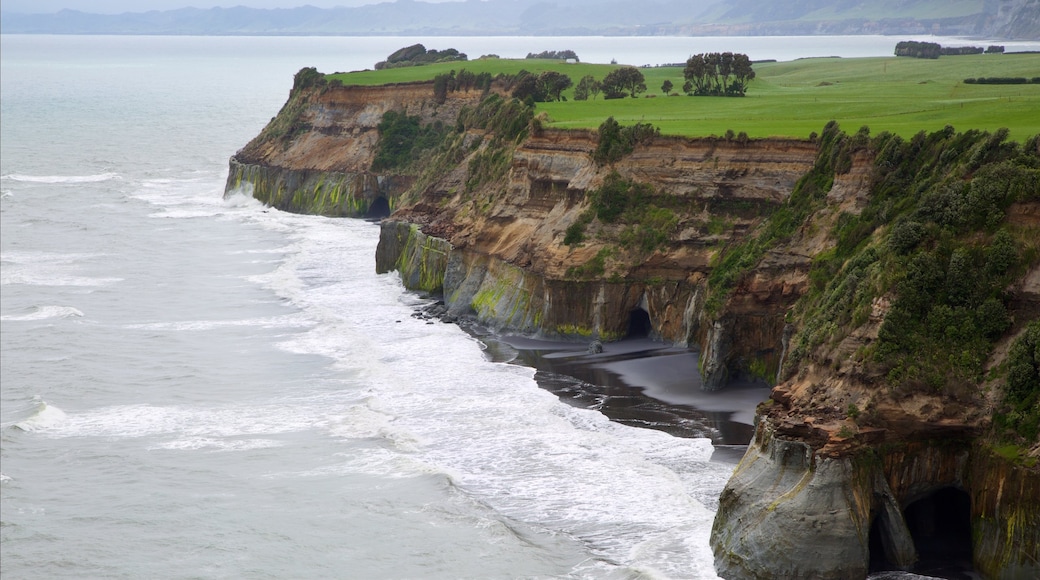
x: 639, y: 382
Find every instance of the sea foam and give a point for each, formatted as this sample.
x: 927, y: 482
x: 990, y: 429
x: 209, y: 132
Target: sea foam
x: 59, y: 179
x: 43, y: 313
x: 45, y: 417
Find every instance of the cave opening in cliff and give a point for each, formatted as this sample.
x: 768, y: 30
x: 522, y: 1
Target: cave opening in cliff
x: 639, y: 323
x: 380, y: 208
x: 940, y: 524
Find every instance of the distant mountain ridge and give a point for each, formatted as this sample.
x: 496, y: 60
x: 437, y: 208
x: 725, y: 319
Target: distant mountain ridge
x: 1010, y: 19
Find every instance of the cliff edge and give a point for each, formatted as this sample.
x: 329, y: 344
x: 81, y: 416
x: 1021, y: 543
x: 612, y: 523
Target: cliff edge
x: 889, y: 288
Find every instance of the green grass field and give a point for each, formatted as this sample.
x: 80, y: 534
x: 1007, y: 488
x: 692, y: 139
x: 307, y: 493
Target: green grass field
x: 794, y: 99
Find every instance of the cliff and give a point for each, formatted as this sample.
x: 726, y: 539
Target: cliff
x: 890, y: 289
x: 316, y: 155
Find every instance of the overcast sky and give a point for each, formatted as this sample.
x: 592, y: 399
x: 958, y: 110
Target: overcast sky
x: 119, y: 6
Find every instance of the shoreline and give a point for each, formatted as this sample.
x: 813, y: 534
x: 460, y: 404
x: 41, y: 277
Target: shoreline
x: 636, y: 381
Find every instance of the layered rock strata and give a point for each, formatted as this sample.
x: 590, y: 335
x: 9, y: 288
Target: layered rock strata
x: 817, y: 495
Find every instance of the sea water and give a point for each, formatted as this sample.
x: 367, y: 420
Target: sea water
x: 201, y: 387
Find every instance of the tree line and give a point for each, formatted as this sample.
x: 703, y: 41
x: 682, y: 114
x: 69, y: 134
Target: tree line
x: 1003, y: 81
x: 555, y: 55
x: 919, y: 49
x: 709, y: 74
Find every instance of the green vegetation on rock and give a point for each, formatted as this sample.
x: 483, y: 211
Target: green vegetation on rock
x: 834, y: 157
x: 934, y: 240
x: 1018, y: 417
x: 402, y: 138
x: 615, y: 142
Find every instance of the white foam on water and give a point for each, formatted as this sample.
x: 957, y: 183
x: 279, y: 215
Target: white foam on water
x: 49, y: 269
x: 44, y: 313
x: 209, y: 443
x: 63, y: 179
x: 283, y: 321
x: 378, y: 462
x: 178, y: 422
x: 436, y: 403
x: 45, y: 417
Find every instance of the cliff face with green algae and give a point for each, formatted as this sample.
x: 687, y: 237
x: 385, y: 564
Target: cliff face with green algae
x: 316, y: 155
x: 887, y: 277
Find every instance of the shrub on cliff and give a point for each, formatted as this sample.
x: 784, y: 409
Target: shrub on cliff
x: 934, y: 239
x: 615, y: 141
x: 308, y: 77
x: 402, y: 138
x: 1019, y: 415
x: 618, y: 200
x: 833, y: 157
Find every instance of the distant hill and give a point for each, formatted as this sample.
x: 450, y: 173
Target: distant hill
x: 1011, y: 19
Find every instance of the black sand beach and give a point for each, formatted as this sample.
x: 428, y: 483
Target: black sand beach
x: 637, y: 381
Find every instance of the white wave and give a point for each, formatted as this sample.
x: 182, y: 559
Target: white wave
x: 45, y: 417
x: 43, y: 278
x: 242, y: 192
x: 284, y: 321
x: 184, y: 214
x: 4, y: 478
x: 48, y: 269
x: 379, y: 462
x: 198, y: 423
x: 71, y: 179
x: 201, y: 443
x: 44, y: 312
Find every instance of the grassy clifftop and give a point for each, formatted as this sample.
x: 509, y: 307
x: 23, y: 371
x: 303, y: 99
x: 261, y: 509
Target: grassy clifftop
x: 793, y: 99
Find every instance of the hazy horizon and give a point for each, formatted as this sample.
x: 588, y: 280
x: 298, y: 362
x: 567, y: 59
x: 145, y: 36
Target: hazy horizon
x: 122, y: 6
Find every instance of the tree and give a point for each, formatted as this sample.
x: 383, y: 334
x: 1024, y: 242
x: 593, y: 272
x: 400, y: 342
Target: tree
x: 718, y: 74
x: 552, y: 84
x: 666, y: 86
x: 548, y: 86
x: 526, y: 86
x: 622, y: 82
x: 586, y: 87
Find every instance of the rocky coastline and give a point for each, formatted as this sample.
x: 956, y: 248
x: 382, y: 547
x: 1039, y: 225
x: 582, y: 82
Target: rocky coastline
x: 851, y: 468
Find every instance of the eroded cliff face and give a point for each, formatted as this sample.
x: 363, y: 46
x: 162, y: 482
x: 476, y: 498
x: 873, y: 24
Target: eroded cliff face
x: 316, y: 155
x: 790, y: 511
x: 719, y: 191
x: 819, y: 493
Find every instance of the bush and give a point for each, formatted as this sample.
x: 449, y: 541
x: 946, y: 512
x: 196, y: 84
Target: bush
x: 612, y: 198
x: 615, y: 141
x: 575, y: 234
x: 1020, y: 413
x: 402, y: 138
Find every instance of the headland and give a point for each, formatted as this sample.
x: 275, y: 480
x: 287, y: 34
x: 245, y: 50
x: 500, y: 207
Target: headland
x: 885, y: 283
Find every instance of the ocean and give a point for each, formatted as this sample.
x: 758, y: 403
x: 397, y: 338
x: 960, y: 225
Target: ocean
x: 201, y: 387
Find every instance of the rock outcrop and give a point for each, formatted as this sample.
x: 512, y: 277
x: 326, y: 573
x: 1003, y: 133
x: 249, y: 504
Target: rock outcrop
x: 316, y: 156
x: 778, y: 259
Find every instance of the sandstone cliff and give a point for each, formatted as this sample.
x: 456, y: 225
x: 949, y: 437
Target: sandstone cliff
x: 887, y: 286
